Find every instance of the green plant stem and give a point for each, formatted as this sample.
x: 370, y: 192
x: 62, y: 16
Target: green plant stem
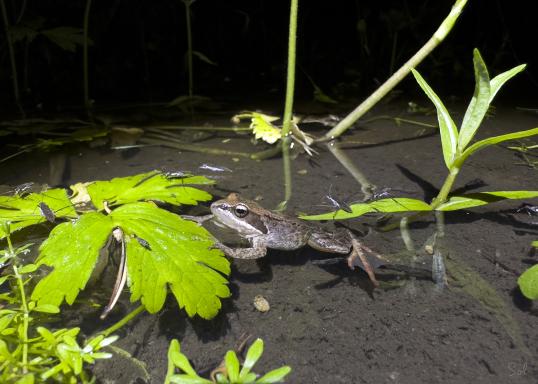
x: 124, y: 320
x: 445, y: 189
x: 87, y: 103
x: 399, y: 75
x: 189, y: 43
x: 14, y: 75
x: 288, y: 107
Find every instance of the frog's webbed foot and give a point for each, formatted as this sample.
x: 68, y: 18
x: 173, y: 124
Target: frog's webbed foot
x: 358, y: 258
x: 257, y: 251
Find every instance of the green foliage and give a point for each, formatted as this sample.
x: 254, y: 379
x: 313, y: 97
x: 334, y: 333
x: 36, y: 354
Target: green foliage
x: 232, y: 372
x: 456, y: 149
x: 262, y: 126
x: 528, y: 282
x: 29, y: 352
x: 162, y: 249
x: 23, y: 211
x: 154, y: 186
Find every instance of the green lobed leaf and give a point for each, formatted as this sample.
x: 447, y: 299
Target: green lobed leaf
x: 394, y: 204
x: 275, y: 376
x: 149, y: 186
x: 479, y: 103
x: 72, y: 250
x: 448, y: 130
x: 498, y: 81
x: 470, y: 200
x: 528, y: 282
x: 23, y: 211
x: 177, y: 255
x: 491, y: 141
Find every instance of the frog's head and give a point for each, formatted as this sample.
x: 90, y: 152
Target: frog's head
x: 243, y: 216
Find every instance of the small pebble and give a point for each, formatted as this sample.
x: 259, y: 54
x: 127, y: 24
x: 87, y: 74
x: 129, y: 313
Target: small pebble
x: 261, y: 303
x: 302, y: 171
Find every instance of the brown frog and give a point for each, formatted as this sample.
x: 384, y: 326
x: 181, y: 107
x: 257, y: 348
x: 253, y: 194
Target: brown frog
x: 267, y: 229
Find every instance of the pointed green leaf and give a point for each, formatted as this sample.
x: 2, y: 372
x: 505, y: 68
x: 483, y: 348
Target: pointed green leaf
x: 253, y: 355
x: 449, y: 131
x: 165, y: 250
x: 491, y: 141
x: 23, y: 211
x: 72, y: 250
x: 498, y: 81
x: 186, y: 379
x: 528, y: 282
x: 395, y: 204
x: 28, y: 268
x: 275, y: 376
x: 232, y: 366
x: 479, y: 103
x: 179, y: 359
x: 153, y: 185
x: 470, y: 200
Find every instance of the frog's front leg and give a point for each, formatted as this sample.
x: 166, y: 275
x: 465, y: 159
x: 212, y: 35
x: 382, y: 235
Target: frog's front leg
x: 258, y: 249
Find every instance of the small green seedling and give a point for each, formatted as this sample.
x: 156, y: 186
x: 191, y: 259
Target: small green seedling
x: 528, y: 281
x: 233, y: 372
x: 457, y: 147
x: 29, y: 352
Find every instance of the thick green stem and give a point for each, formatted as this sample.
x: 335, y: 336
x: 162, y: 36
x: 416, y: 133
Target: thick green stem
x: 399, y: 75
x: 14, y: 75
x: 288, y: 108
x: 87, y: 102
x: 189, y: 44
x: 131, y: 315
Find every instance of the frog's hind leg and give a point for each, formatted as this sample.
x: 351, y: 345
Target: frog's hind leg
x: 358, y: 258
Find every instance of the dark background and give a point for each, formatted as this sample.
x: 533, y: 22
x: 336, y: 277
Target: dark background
x: 347, y: 47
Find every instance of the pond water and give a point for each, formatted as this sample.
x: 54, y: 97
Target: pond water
x: 327, y: 322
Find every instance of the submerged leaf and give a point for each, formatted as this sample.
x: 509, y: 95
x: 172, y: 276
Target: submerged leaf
x: 153, y: 185
x: 178, y: 255
x: 470, y: 200
x: 395, y: 204
x: 72, y: 250
x: 21, y: 211
x: 528, y: 282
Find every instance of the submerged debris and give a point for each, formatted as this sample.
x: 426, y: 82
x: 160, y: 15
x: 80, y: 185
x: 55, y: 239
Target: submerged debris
x: 261, y: 303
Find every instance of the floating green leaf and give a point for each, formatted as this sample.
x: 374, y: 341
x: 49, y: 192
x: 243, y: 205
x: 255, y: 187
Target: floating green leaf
x: 396, y: 204
x: 23, y: 211
x: 162, y: 250
x: 179, y: 255
x: 153, y: 185
x: 528, y: 282
x: 479, y: 104
x: 449, y: 131
x: 470, y: 200
x: 72, y: 250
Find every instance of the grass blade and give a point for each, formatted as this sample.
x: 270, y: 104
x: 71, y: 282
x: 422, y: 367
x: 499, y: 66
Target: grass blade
x: 449, y: 131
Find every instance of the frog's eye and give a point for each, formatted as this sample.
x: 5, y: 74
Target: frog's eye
x: 241, y: 210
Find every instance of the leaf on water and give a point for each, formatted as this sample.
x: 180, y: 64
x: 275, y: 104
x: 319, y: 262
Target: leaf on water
x: 479, y: 103
x: 528, y: 282
x: 393, y: 204
x: 449, y: 131
x: 179, y: 256
x: 149, y: 186
x: 72, y: 249
x: 470, y: 200
x: 23, y: 211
